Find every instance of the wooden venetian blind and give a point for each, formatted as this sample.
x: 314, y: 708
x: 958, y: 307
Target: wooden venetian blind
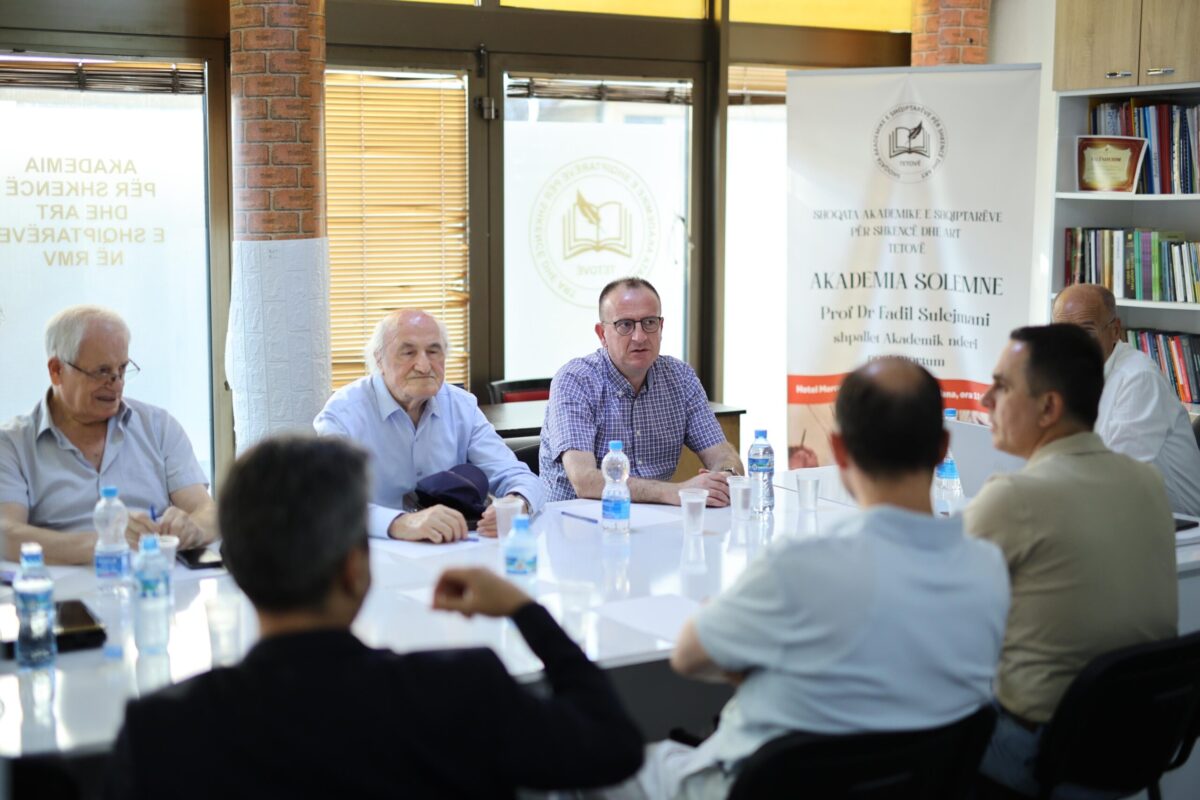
x: 396, y: 182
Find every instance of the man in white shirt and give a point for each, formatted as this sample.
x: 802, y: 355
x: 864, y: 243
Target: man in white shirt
x: 1140, y: 414
x: 414, y: 425
x: 890, y: 619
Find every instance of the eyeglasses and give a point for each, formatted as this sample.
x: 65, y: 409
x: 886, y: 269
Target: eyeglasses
x: 123, y: 373
x: 625, y: 326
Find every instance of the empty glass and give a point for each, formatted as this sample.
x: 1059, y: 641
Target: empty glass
x: 693, y: 501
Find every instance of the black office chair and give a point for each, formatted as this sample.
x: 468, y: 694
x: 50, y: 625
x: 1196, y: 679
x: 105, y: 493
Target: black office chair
x: 519, y: 391
x: 933, y: 764
x: 1130, y: 716
x: 526, y: 449
x: 58, y: 776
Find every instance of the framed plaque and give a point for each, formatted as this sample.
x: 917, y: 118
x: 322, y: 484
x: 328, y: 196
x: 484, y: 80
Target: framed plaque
x: 1108, y: 163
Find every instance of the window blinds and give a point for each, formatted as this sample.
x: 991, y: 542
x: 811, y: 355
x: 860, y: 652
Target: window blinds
x: 396, y: 183
x: 122, y: 76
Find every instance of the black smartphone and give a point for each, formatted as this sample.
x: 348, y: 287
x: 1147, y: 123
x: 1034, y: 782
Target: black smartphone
x: 74, y: 627
x: 200, y: 558
x: 1184, y: 524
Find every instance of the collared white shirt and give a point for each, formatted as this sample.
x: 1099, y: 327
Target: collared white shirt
x: 452, y: 431
x: 1141, y: 416
x: 147, y: 456
x: 886, y: 620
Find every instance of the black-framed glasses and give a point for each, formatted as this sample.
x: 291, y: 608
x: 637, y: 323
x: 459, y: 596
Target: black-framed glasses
x: 625, y: 326
x: 106, y: 374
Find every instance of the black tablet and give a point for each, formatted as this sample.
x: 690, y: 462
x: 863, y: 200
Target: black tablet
x: 200, y: 558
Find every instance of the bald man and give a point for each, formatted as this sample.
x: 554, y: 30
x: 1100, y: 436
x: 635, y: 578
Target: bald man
x: 1140, y: 414
x: 414, y: 424
x: 818, y: 636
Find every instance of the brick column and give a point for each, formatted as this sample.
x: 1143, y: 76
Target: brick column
x: 950, y: 32
x: 277, y: 348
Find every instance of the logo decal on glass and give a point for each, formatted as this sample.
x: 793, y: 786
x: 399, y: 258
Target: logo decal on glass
x: 595, y: 219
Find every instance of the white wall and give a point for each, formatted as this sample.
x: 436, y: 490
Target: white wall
x: 1022, y: 32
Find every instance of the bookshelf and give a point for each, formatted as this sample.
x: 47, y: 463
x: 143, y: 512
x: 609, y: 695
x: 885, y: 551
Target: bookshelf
x: 1167, y: 212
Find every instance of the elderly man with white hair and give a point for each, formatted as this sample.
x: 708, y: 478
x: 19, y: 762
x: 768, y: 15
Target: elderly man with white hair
x: 414, y: 425
x: 84, y: 434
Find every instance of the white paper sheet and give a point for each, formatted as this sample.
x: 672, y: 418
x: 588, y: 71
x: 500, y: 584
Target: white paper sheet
x: 429, y: 549
x: 661, y: 616
x: 641, y: 515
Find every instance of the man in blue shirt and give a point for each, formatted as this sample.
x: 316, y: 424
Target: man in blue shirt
x: 414, y: 424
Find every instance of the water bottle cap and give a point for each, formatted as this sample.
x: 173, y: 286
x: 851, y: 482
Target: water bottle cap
x: 31, y: 550
x: 148, y: 543
x: 616, y: 444
x: 108, y: 492
x: 521, y: 521
x: 951, y: 413
x: 760, y: 433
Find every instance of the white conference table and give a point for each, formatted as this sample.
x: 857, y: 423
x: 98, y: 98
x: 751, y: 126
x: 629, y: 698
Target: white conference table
x: 622, y: 598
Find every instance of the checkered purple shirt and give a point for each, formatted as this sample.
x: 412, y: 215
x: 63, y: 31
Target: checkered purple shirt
x: 592, y: 403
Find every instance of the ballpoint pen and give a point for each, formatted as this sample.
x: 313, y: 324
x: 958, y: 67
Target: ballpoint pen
x: 580, y: 517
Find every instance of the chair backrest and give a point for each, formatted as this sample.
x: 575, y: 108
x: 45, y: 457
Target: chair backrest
x: 1126, y: 718
x: 932, y: 764
x: 519, y: 391
x: 527, y: 449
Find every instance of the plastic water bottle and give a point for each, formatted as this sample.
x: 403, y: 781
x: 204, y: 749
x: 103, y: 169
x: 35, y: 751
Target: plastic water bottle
x: 34, y: 591
x: 112, y: 551
x: 521, y: 548
x: 614, y: 515
x: 152, y: 623
x: 947, y: 488
x: 761, y: 465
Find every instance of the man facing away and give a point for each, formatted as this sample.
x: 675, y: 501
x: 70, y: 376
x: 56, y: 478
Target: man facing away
x: 313, y: 712
x: 890, y: 619
x: 1140, y: 415
x: 627, y: 391
x: 84, y: 434
x: 414, y: 425
x: 1086, y: 532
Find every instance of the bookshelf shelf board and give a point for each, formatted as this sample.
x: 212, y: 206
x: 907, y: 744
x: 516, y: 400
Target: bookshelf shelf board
x: 1129, y: 197
x: 1161, y: 306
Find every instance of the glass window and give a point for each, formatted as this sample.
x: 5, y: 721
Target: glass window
x: 681, y: 9
x: 396, y: 177
x: 867, y: 15
x: 444, y: 2
x: 117, y: 217
x: 594, y: 189
x: 756, y: 254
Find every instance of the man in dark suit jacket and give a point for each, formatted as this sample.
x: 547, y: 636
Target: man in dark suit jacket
x: 313, y: 712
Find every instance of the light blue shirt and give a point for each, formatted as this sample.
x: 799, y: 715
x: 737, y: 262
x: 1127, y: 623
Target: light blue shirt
x: 147, y: 456
x: 452, y: 431
x: 886, y: 620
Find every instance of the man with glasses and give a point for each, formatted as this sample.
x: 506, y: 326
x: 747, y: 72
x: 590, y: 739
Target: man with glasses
x: 626, y: 390
x: 82, y: 435
x: 1140, y: 414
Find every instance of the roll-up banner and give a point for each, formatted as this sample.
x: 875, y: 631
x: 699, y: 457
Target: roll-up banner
x: 910, y: 204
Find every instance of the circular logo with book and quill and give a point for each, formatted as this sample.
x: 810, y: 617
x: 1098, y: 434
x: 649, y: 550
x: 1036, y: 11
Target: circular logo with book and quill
x: 909, y: 142
x: 594, y: 220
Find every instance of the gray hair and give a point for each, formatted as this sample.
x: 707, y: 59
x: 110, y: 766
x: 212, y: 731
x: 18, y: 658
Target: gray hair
x: 385, y: 332
x: 66, y: 329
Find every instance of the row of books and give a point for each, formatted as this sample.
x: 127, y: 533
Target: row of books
x: 1172, y: 157
x: 1134, y: 263
x: 1177, y: 355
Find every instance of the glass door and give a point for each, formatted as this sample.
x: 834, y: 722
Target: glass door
x: 597, y: 185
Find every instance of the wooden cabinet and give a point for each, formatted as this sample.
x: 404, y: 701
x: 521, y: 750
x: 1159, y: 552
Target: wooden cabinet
x: 1100, y: 44
x: 1170, y: 51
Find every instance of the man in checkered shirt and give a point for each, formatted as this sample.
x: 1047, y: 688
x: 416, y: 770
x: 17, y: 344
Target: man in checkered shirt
x: 625, y: 390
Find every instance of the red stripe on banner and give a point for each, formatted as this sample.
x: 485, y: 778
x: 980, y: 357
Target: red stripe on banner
x: 807, y: 390
x: 963, y: 395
